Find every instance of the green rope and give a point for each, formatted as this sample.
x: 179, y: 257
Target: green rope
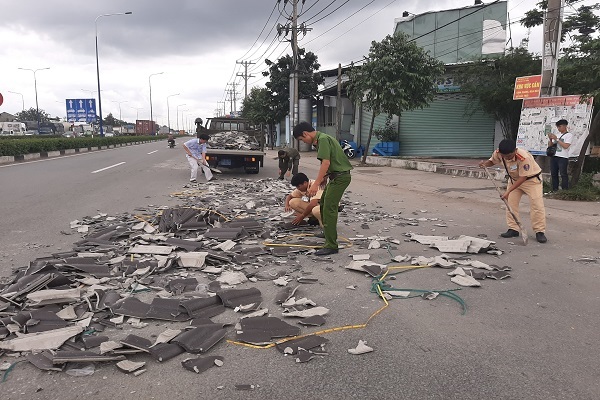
x: 12, y: 366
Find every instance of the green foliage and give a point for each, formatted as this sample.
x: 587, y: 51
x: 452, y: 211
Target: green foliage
x: 584, y: 190
x: 491, y: 85
x: 258, y: 107
x: 112, y: 121
x: 388, y: 132
x: 31, y: 115
x: 279, y: 82
x: 28, y: 145
x: 397, y: 76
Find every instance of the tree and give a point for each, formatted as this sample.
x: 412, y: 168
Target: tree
x: 31, y: 115
x: 279, y: 82
x: 579, y: 67
x: 491, y: 84
x: 397, y: 76
x: 258, y: 108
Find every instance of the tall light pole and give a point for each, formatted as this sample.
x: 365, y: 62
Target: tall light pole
x: 37, y: 108
x: 98, y: 65
x: 182, y: 118
x: 137, y: 112
x: 169, y: 110
x: 22, y: 99
x: 179, y: 105
x: 150, y: 86
x: 120, y: 102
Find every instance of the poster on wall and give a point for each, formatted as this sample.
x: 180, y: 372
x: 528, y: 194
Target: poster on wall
x: 539, y: 116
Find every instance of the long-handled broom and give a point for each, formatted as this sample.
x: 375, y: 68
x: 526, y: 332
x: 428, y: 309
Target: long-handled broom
x: 523, y: 231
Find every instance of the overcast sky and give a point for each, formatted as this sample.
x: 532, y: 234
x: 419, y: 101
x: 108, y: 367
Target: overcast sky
x: 194, y: 42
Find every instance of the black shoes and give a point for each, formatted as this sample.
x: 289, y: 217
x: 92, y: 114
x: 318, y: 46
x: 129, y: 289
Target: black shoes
x: 511, y: 233
x: 540, y: 237
x: 326, y: 252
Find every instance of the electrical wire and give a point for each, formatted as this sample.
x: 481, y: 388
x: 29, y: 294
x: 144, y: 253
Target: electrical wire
x: 262, y: 30
x: 323, y: 9
x: 342, y: 21
x: 322, y: 18
x: 308, y: 9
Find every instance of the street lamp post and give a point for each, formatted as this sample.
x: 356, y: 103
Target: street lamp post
x: 179, y: 105
x: 37, y: 108
x: 150, y: 86
x: 183, y: 117
x: 137, y: 112
x: 169, y: 110
x: 98, y: 65
x: 22, y: 99
x: 119, y: 103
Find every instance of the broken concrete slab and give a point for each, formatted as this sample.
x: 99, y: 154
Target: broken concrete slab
x: 467, y: 281
x: 130, y: 366
x: 201, y: 364
x: 361, y: 348
x: 192, y: 259
x: 311, y: 312
x: 48, y: 340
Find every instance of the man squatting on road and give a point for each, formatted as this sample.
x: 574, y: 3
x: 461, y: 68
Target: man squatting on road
x: 289, y: 160
x: 196, y: 154
x: 301, y: 202
x: 525, y: 178
x: 335, y: 167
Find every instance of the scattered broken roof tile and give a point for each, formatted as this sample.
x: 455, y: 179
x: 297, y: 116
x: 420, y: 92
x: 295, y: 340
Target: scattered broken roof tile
x: 201, y: 364
x: 203, y: 307
x: 62, y: 357
x: 238, y: 297
x: 201, y: 338
x: 307, y: 343
x: 165, y: 351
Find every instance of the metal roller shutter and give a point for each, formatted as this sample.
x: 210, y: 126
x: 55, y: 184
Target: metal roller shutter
x: 365, y: 124
x: 443, y: 130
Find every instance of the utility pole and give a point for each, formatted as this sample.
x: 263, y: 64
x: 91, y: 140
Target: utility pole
x: 245, y: 75
x: 219, y: 108
x: 295, y: 29
x: 552, y: 33
x: 338, y: 105
x: 233, y: 94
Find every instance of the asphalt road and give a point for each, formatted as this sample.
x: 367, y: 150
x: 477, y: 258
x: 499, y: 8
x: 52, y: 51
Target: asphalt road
x: 531, y: 336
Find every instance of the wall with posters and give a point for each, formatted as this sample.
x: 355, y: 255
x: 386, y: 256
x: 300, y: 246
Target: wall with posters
x: 539, y: 116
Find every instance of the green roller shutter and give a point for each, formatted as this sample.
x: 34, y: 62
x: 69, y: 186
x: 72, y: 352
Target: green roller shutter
x: 443, y: 130
x: 365, y: 124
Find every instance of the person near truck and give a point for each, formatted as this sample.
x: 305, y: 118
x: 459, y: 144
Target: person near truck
x: 289, y: 160
x: 559, y: 163
x: 195, y: 150
x: 335, y: 168
x: 299, y: 200
x: 525, y: 178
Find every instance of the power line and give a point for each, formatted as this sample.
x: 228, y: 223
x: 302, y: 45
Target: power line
x: 308, y: 9
x: 262, y: 30
x: 342, y: 21
x: 342, y: 5
x: 323, y: 9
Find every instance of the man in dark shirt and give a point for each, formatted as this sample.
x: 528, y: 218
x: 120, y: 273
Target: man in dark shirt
x: 289, y: 160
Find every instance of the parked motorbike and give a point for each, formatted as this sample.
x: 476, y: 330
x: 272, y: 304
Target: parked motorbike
x: 348, y: 149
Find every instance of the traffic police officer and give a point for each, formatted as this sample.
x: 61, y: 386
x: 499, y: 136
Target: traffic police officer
x: 335, y: 167
x: 525, y: 178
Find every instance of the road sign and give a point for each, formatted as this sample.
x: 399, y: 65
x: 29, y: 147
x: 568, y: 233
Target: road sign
x: 81, y: 110
x: 527, y: 87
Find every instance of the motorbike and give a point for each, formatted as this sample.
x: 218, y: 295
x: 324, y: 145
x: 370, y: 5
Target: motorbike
x: 172, y: 143
x: 348, y: 149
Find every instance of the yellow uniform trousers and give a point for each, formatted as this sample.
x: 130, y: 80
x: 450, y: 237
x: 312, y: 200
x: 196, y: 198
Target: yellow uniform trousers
x: 533, y: 188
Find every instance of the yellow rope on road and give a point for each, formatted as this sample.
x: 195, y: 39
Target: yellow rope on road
x: 339, y: 328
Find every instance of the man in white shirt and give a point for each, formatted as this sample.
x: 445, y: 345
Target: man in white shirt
x: 196, y: 155
x: 559, y: 163
x: 301, y: 202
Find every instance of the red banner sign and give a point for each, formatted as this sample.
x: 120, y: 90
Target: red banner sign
x: 527, y: 87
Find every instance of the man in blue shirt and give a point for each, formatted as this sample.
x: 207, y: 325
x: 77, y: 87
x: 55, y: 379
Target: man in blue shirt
x: 196, y: 154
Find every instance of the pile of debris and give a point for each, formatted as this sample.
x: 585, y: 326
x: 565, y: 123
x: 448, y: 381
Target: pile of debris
x: 233, y: 140
x: 182, y: 265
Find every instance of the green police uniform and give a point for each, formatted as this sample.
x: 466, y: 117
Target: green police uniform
x: 339, y: 178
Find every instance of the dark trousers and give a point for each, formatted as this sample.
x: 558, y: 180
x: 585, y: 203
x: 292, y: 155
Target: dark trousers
x: 559, y: 165
x: 284, y: 164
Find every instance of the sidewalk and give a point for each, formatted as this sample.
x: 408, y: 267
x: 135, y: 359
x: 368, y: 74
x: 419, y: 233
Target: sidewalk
x: 380, y: 171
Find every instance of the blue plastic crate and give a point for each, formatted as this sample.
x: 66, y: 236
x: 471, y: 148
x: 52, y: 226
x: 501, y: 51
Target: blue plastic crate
x: 387, y: 149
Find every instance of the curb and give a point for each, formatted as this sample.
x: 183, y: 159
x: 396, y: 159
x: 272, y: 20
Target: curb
x: 58, y: 153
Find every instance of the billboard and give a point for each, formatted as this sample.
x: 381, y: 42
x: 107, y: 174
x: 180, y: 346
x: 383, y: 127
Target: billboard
x: 459, y: 35
x: 539, y: 116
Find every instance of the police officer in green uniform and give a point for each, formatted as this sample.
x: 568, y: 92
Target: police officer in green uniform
x: 335, y: 168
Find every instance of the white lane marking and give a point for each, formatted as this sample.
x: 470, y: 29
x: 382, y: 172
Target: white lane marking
x: 153, y: 152
x: 112, y: 166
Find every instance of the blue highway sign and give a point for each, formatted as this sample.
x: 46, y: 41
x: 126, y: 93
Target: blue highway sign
x: 81, y: 110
